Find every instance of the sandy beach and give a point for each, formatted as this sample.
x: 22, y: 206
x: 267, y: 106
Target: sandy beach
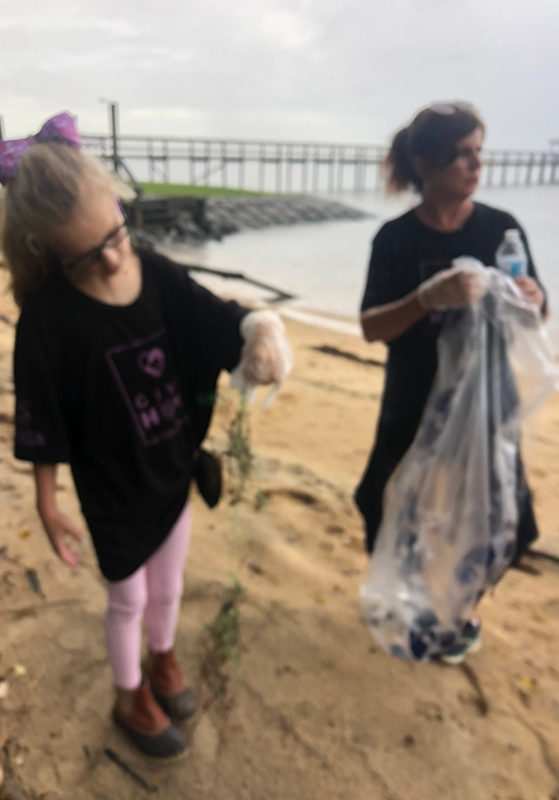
x: 299, y: 703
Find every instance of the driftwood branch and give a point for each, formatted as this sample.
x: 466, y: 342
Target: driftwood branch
x: 239, y: 276
x: 126, y: 768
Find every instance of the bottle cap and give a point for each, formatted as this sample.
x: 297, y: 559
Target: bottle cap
x: 512, y: 233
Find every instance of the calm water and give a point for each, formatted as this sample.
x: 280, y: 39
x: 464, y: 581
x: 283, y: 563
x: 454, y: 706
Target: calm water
x: 324, y: 264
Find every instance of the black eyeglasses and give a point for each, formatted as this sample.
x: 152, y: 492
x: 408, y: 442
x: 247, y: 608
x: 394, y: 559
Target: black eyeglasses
x: 93, y: 256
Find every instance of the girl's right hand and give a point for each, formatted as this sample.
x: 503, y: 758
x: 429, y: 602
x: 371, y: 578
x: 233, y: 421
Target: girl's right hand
x: 59, y: 528
x: 452, y: 288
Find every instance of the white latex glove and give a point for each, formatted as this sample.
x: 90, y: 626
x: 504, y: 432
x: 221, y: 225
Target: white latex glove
x: 462, y: 285
x: 266, y: 357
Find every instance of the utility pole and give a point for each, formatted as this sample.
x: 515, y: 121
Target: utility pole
x: 113, y: 130
x: 1, y: 128
x: 113, y: 122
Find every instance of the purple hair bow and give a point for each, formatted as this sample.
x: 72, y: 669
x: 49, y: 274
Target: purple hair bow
x: 60, y: 128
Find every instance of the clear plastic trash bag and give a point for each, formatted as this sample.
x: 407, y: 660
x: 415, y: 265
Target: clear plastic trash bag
x: 448, y: 531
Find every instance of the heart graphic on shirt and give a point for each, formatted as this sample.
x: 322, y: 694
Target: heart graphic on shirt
x: 152, y: 362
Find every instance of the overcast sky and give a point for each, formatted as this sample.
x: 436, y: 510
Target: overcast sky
x: 324, y: 70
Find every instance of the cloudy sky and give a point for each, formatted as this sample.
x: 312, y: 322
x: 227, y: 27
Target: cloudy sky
x: 324, y: 70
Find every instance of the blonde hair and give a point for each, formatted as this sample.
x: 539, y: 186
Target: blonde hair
x: 46, y: 193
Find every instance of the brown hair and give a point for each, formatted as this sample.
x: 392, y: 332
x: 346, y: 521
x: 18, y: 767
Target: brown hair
x: 432, y: 135
x: 45, y: 193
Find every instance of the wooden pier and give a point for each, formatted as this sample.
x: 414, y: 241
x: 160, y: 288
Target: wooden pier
x: 293, y: 167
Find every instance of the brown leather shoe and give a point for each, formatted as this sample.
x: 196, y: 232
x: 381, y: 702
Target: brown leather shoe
x: 167, y: 684
x: 140, y: 717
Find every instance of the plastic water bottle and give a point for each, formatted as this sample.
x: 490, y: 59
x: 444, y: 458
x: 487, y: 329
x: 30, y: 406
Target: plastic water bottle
x: 511, y: 256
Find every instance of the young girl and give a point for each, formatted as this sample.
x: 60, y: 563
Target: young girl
x: 116, y: 361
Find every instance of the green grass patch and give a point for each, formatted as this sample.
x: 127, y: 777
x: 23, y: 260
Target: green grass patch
x: 182, y: 190
x: 222, y: 644
x: 241, y: 457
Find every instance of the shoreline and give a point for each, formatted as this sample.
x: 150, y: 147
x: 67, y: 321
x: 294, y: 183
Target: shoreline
x: 327, y: 322
x: 245, y: 293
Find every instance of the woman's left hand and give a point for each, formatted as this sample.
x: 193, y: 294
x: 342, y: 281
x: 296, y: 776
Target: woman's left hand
x: 530, y: 290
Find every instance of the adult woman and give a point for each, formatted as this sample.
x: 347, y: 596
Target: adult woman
x: 438, y: 154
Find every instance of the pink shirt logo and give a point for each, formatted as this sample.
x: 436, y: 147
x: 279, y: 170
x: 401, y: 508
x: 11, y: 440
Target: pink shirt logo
x: 149, y: 387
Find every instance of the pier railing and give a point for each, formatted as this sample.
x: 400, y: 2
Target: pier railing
x: 292, y: 167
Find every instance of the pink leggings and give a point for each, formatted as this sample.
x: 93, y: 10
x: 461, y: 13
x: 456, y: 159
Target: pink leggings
x: 152, y: 593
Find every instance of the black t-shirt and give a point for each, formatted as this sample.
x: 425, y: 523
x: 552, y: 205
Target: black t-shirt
x: 405, y: 253
x: 124, y: 394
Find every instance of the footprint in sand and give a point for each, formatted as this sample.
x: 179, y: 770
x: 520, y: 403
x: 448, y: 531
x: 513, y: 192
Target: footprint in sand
x: 335, y: 530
